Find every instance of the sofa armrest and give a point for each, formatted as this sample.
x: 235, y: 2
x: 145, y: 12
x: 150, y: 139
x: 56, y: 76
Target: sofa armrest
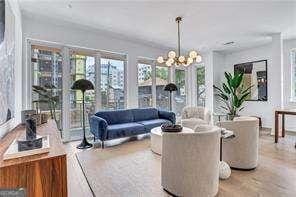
x: 167, y: 115
x: 98, y: 127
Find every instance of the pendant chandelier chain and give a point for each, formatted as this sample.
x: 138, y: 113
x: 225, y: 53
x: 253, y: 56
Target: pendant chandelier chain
x: 175, y: 58
x: 179, y: 40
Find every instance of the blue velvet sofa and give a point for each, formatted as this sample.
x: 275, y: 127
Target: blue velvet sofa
x: 108, y: 125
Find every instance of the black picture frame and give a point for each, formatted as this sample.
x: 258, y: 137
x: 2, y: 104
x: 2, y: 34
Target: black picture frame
x: 262, y: 77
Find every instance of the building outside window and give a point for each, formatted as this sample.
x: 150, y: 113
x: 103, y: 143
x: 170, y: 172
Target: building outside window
x: 145, y: 85
x: 112, y: 84
x: 200, y: 85
x: 47, y: 72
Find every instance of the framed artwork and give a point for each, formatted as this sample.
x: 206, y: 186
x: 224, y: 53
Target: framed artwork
x: 255, y: 74
x: 7, y: 62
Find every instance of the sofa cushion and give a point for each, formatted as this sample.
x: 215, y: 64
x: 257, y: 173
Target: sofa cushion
x: 124, y: 130
x: 145, y: 114
x: 150, y: 124
x: 116, y: 116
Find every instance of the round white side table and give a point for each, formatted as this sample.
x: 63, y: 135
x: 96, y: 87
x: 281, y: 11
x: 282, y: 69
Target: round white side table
x: 224, y: 168
x: 156, y: 138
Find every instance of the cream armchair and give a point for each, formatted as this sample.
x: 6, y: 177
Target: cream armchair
x: 193, y: 116
x: 241, y: 152
x: 190, y: 163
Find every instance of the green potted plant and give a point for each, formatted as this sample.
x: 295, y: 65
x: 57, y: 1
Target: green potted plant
x: 47, y: 95
x: 233, y: 93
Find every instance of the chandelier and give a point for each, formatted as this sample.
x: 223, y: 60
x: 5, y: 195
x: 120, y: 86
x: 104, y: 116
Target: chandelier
x: 176, y: 58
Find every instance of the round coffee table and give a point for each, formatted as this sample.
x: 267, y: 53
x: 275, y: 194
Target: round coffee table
x: 156, y: 138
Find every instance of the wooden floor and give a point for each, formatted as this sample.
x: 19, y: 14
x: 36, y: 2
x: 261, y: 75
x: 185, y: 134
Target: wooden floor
x: 278, y: 177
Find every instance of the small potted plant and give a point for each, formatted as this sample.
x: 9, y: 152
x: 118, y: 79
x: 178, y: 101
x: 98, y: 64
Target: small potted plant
x: 233, y: 93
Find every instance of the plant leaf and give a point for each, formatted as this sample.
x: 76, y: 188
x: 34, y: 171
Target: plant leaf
x: 217, y: 88
x: 246, y: 90
x: 226, y: 89
x: 223, y: 96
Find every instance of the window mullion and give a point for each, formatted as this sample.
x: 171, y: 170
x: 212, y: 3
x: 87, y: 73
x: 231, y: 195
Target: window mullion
x: 66, y: 93
x: 98, y: 97
x: 153, y: 84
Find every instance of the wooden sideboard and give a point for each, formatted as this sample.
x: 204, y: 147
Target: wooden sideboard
x: 43, y: 175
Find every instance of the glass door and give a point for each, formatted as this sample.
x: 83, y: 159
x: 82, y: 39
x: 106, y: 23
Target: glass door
x: 112, y: 84
x: 144, y: 85
x: 47, y: 80
x: 162, y: 79
x: 82, y: 66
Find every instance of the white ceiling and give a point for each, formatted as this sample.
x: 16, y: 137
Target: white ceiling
x: 206, y: 25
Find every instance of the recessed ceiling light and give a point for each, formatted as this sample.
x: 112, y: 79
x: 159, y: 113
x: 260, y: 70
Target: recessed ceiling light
x: 228, y: 43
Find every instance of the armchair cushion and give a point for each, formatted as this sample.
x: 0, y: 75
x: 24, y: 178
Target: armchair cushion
x: 192, y: 122
x: 125, y: 129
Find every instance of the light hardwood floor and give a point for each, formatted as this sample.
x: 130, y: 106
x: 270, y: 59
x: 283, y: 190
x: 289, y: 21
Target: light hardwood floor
x: 278, y: 176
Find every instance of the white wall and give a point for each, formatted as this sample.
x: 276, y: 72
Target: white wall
x: 18, y: 69
x: 270, y: 52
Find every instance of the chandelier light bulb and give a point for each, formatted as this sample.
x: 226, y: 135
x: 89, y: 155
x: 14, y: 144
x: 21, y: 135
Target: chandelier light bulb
x: 171, y: 60
x: 181, y: 59
x: 172, y: 54
x: 189, y: 60
x: 168, y: 63
x: 160, y: 59
x: 198, y: 59
x: 193, y: 54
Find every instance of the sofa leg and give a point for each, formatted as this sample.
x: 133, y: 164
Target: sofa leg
x: 103, y: 146
x: 94, y: 138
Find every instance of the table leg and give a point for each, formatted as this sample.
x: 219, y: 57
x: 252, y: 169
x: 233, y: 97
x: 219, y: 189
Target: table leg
x: 283, y: 125
x: 276, y: 127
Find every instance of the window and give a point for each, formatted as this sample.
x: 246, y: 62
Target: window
x: 112, y: 84
x: 200, y: 85
x: 82, y: 66
x: 180, y: 94
x: 293, y: 75
x: 162, y: 97
x: 47, y: 73
x: 144, y: 85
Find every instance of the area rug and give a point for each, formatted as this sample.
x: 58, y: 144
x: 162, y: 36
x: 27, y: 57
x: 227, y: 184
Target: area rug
x: 129, y: 169
x: 132, y: 170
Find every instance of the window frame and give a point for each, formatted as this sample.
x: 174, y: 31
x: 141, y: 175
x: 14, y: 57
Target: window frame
x: 198, y: 66
x: 119, y: 57
x: 293, y: 77
x: 151, y: 64
x: 65, y: 52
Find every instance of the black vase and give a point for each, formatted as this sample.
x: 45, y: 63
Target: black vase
x: 30, y: 129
